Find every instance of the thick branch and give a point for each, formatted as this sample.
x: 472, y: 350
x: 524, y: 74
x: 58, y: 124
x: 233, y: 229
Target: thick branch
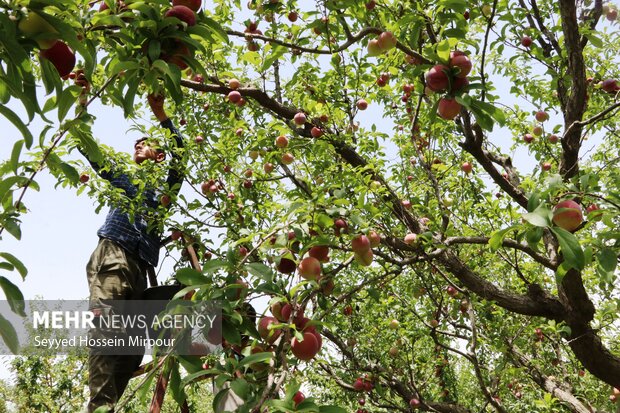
x: 575, y: 105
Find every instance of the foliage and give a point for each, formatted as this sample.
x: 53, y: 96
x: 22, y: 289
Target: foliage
x: 498, y: 306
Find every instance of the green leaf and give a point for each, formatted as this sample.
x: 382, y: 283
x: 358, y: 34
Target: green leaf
x: 256, y: 358
x: 443, y: 50
x: 212, y: 266
x: 14, y: 296
x: 533, y: 201
x: 596, y: 42
x: 540, y: 217
x: 8, y: 183
x: 241, y: 388
x: 15, y: 120
x: 176, y: 385
x: 571, y: 249
x: 72, y: 175
x: 9, y: 335
x: 498, y: 237
x: 189, y: 276
x: 215, y: 27
x: 66, y: 100
x: 260, y: 270
x: 17, y: 149
x: 12, y: 227
x: 607, y: 259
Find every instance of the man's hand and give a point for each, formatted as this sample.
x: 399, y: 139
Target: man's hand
x: 156, y: 102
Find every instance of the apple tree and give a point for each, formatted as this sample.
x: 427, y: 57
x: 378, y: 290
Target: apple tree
x: 419, y: 198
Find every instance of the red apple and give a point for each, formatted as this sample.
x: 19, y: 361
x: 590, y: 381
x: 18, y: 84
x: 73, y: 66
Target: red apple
x: 316, y: 132
x: 610, y: 85
x: 299, y: 118
x: 541, y: 116
x: 553, y: 138
x: 406, y: 203
x: 546, y: 166
x: 370, y: 5
x: 459, y: 83
x: 247, y: 184
x: 165, y: 200
x: 340, y: 225
x: 612, y: 15
x: 268, y: 168
x: 526, y: 41
x: 310, y: 268
x: 362, y: 104
x: 365, y: 258
x: 288, y: 158
x: 374, y: 49
x: 528, y: 138
x: 387, y: 41
x: 451, y: 291
x: 320, y: 252
x: 84, y: 178
x: 292, y: 16
x: 360, y: 244
x: 466, y: 167
x: 307, y: 348
x: 61, y: 56
x: 298, y: 398
x: 234, y: 96
x: 374, y: 238
x: 462, y: 62
x: 567, y: 215
x: 199, y: 139
x: 183, y: 13
x: 265, y: 332
x: 358, y: 384
x: 286, y: 265
x: 537, y: 130
x: 448, y: 108
x: 415, y: 403
x: 281, y: 141
x: 243, y: 251
x: 410, y: 238
x: 234, y: 84
x: 191, y: 4
x: 436, y: 78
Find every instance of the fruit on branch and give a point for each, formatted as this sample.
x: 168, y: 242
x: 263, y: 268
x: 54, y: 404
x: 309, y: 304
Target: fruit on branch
x: 410, y: 238
x: 194, y: 5
x: 61, y: 56
x: 360, y: 244
x: 393, y: 352
x: 268, y: 168
x: 394, y: 324
x: 365, y: 258
x: 299, y: 118
x: 243, y: 251
x: 459, y: 83
x: 316, y: 132
x: 267, y: 334
x: 537, y: 130
x: 374, y: 238
x: 347, y: 310
x: 612, y: 14
x: 567, y: 215
x: 292, y: 16
x: 541, y: 116
x: 415, y: 403
x: 298, y: 398
x: 437, y: 78
x: 361, y: 104
x: 326, y: 285
x: 448, y: 108
x: 460, y: 61
x: 234, y: 96
x: 451, y: 291
x: 358, y: 384
x: 183, y: 13
x: 286, y: 265
x: 553, y: 138
x: 467, y: 167
x: 281, y: 310
x: 310, y: 268
x: 288, y: 158
x: 546, y: 166
x: 387, y: 41
x: 528, y: 138
x: 610, y: 85
x: 33, y: 25
x: 165, y: 200
x: 307, y: 348
x: 234, y: 84
x: 374, y: 49
x: 370, y: 5
x: 281, y: 141
x: 526, y: 41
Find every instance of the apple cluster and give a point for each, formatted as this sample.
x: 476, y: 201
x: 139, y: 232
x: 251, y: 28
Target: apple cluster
x: 34, y: 26
x: 304, y: 349
x: 381, y: 44
x: 450, y: 78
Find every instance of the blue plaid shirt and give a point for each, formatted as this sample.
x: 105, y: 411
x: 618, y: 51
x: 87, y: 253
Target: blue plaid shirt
x: 134, y: 235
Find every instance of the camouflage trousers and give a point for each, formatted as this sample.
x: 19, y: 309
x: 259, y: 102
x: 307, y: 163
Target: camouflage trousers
x: 114, y: 277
